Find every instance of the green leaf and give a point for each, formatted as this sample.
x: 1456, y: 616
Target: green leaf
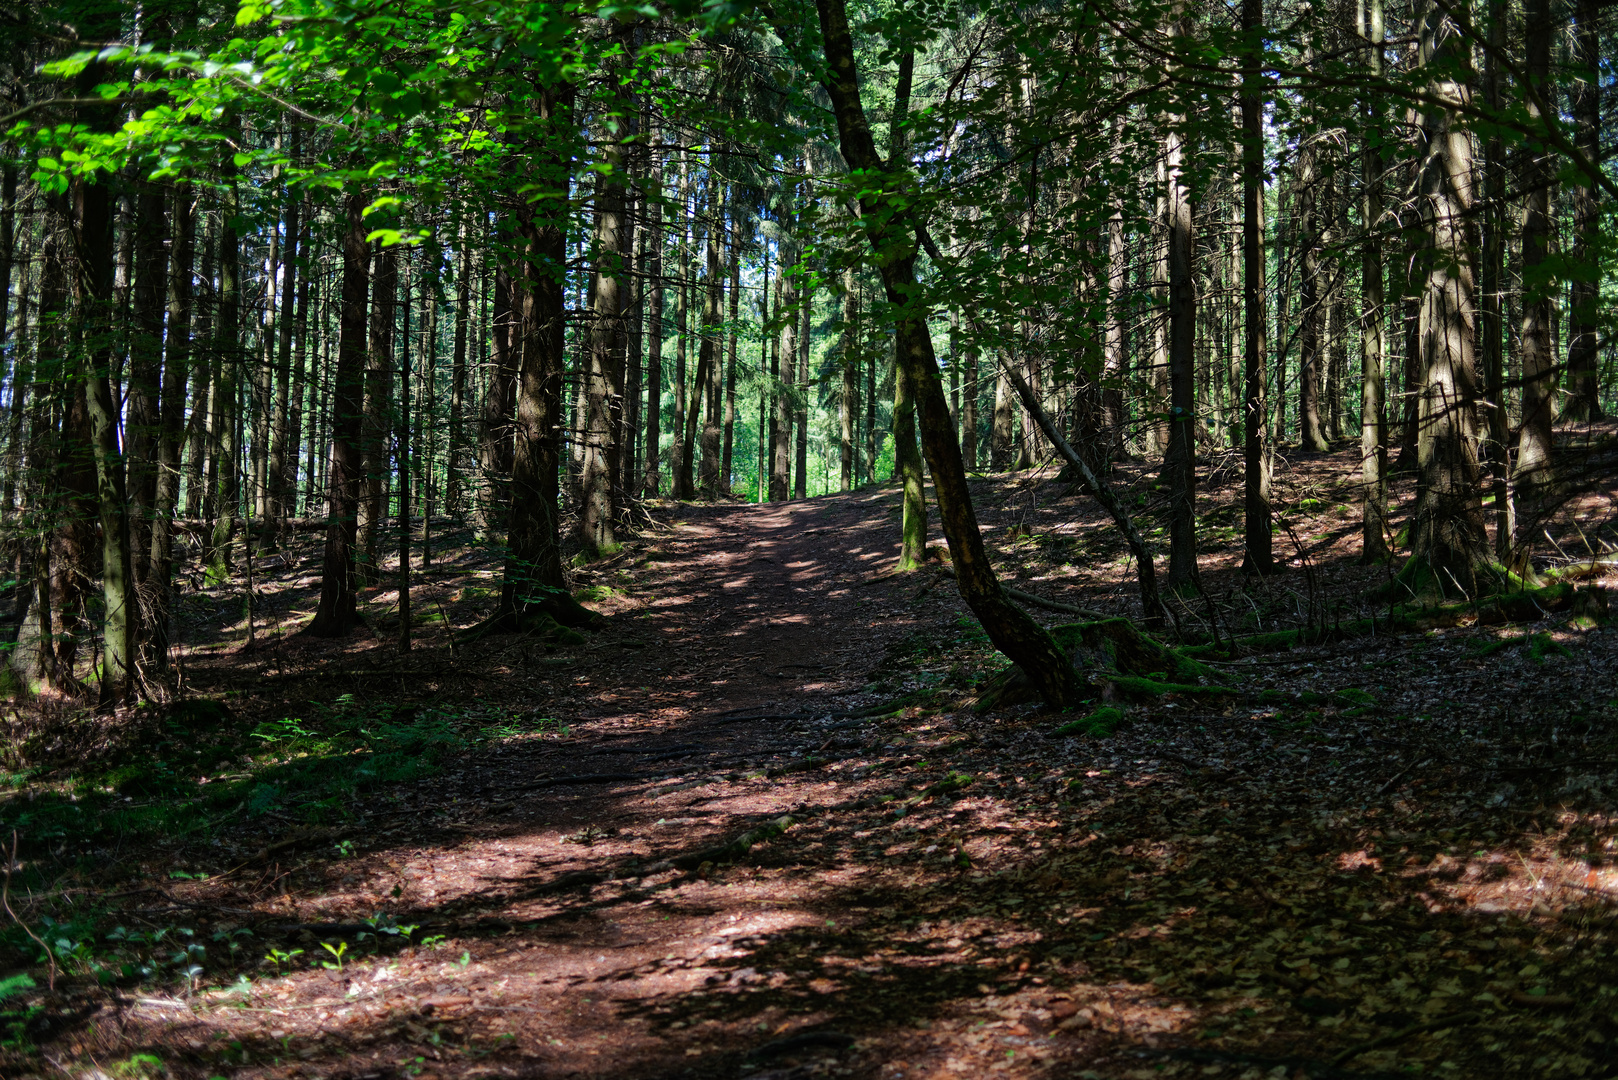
x: 12, y: 985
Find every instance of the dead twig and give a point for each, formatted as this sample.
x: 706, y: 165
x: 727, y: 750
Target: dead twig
x: 1396, y: 777
x: 5, y: 902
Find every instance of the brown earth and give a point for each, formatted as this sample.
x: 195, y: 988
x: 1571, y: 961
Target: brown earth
x: 1261, y: 884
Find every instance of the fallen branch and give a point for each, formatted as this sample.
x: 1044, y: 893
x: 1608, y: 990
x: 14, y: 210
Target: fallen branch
x: 1039, y: 601
x: 1396, y: 777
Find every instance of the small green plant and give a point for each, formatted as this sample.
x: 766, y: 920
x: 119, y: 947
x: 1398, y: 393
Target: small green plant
x: 344, y: 849
x: 466, y: 958
x: 280, y: 959
x: 337, y: 951
x: 433, y: 941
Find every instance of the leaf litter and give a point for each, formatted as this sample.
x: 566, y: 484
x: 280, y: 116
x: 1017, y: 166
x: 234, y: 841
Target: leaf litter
x: 1293, y: 881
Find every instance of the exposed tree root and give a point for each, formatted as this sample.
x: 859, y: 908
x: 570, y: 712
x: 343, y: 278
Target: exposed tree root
x: 555, y: 618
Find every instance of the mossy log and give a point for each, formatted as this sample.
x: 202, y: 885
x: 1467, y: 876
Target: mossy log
x: 1118, y: 660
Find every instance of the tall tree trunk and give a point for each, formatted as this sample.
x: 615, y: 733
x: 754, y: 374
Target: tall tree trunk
x: 786, y: 352
x: 1449, y: 544
x: 603, y: 388
x: 733, y: 255
x: 93, y: 244
x: 1312, y: 308
x: 635, y: 336
x: 533, y: 578
x: 1373, y: 384
x: 300, y: 377
x: 710, y: 365
x: 1534, y: 476
x: 454, y: 480
x: 338, y: 613
x: 1003, y: 434
x: 499, y: 399
x: 654, y: 340
x: 1180, y: 463
x: 1258, y: 555
x: 679, y: 452
x: 907, y: 470
x: 800, y: 398
x: 849, y: 401
x: 177, y: 361
x: 766, y: 412
x: 1583, y: 382
x: 893, y: 249
x: 969, y: 406
x: 227, y: 336
x: 402, y: 440
x: 278, y: 490
x: 378, y: 411
x: 145, y: 355
x: 1491, y: 275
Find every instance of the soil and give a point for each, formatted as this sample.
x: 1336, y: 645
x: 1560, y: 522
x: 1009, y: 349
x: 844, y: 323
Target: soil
x: 1276, y: 883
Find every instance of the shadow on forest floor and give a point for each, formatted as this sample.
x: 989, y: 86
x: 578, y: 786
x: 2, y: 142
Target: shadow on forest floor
x: 374, y: 865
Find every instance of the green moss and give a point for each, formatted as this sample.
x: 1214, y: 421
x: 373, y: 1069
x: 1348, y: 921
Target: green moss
x: 1139, y: 687
x: 1351, y: 696
x: 1099, y: 724
x: 1542, y: 645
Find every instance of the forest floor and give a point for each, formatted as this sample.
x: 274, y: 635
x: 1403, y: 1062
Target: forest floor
x: 509, y: 858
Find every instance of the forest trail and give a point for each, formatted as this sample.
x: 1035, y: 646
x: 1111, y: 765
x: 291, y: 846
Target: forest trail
x: 1225, y: 888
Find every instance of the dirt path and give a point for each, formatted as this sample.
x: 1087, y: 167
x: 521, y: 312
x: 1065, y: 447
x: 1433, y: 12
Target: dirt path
x: 1265, y: 887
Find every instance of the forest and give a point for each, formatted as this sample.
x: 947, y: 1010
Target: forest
x: 873, y: 538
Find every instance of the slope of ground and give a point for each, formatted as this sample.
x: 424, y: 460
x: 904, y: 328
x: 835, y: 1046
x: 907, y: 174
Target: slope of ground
x: 754, y: 829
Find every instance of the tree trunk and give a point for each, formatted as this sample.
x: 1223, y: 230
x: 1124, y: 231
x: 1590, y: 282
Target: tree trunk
x: 848, y: 403
x: 786, y: 350
x: 1373, y: 384
x: 1534, y: 476
x: 604, y: 379
x: 227, y: 336
x: 1180, y: 463
x: 1311, y: 305
x: 454, y: 496
x: 1583, y: 381
x: 378, y: 411
x: 402, y: 440
x: 279, y: 488
x: 654, y: 343
x: 907, y: 470
x: 1258, y: 557
x: 156, y: 634
x: 1002, y: 435
x: 710, y: 377
x: 800, y: 395
x: 1448, y: 538
x: 893, y: 249
x: 93, y: 235
x: 1492, y: 249
x: 499, y: 399
x: 337, y: 613
x: 534, y: 582
x: 735, y: 260
x: 145, y: 360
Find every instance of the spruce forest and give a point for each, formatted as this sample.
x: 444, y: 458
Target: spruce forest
x: 888, y: 539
